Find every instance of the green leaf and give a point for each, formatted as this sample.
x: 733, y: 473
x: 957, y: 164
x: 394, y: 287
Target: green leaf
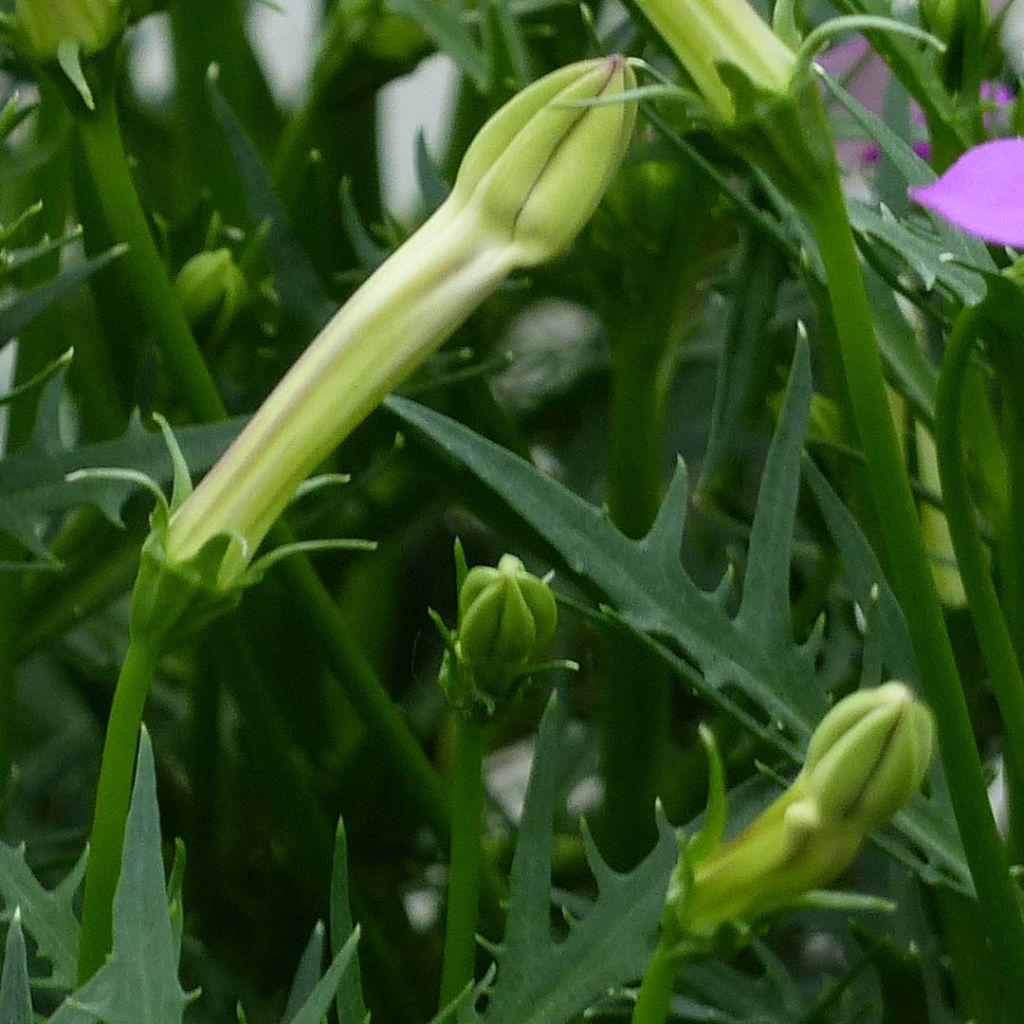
x: 316, y: 1006
x: 307, y: 974
x: 350, y: 1004
x: 48, y: 916
x: 644, y: 580
x: 444, y: 25
x: 19, y: 313
x: 139, y: 982
x: 648, y: 590
x: 539, y: 980
x: 15, y: 997
x: 33, y: 487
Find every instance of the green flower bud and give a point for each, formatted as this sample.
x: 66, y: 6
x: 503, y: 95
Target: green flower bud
x: 869, y: 755
x: 506, y: 617
x: 210, y: 283
x: 865, y: 760
x: 528, y: 184
x: 40, y: 28
x: 708, y: 34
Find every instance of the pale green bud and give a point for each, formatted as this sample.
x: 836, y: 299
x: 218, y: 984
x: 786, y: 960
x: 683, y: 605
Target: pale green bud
x: 42, y: 27
x: 528, y: 184
x: 539, y: 150
x: 507, y: 617
x: 865, y: 760
x: 210, y: 283
x: 707, y: 34
x: 869, y: 755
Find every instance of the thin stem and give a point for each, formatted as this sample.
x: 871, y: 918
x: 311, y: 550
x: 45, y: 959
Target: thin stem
x: 107, y: 163
x: 914, y: 584
x: 113, y: 794
x: 464, y: 868
x: 652, y: 1003
x: 971, y: 557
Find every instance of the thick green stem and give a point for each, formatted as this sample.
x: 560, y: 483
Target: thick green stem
x: 914, y: 584
x: 465, y: 864
x: 971, y: 557
x: 652, y: 1004
x: 113, y: 794
x: 107, y: 163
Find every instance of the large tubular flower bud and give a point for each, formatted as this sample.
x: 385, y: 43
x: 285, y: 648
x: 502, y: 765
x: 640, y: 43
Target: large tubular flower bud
x: 708, y: 34
x: 866, y: 759
x: 528, y: 184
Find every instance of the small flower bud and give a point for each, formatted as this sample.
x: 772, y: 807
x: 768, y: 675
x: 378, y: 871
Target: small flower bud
x: 506, y: 616
x: 208, y: 284
x: 41, y: 27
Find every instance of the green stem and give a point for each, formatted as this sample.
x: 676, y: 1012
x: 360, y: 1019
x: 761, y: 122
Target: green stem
x: 107, y: 163
x: 971, y: 557
x: 914, y: 585
x: 113, y: 794
x: 464, y: 867
x: 652, y: 1004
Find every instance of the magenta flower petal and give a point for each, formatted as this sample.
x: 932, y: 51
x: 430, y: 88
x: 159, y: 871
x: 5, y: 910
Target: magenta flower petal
x: 983, y: 192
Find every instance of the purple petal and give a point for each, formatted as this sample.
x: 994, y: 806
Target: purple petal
x: 983, y: 192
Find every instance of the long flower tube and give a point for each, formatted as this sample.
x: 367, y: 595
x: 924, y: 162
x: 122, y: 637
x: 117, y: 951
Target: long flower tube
x: 527, y: 185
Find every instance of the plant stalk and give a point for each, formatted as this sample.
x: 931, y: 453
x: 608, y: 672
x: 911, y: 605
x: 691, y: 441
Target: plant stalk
x: 914, y: 584
x: 113, y: 794
x: 464, y: 871
x: 655, y: 997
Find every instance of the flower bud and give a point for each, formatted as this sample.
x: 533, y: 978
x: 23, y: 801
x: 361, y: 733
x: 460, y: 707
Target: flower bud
x: 536, y: 171
x: 41, y: 27
x: 865, y: 760
x: 869, y: 755
x: 708, y: 34
x: 527, y: 185
x: 506, y: 617
x: 210, y: 283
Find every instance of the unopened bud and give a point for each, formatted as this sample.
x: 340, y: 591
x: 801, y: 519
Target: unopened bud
x: 707, y: 35
x: 865, y: 760
x: 41, y: 27
x: 869, y: 755
x: 208, y: 284
x: 507, y: 617
x: 528, y: 184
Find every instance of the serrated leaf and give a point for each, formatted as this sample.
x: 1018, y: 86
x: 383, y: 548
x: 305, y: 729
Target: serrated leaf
x: 21, y: 311
x: 644, y: 580
x: 350, y: 1004
x: 15, y: 997
x: 47, y: 915
x: 33, y: 487
x: 539, y: 980
x: 651, y: 594
x: 920, y: 248
x: 139, y: 982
